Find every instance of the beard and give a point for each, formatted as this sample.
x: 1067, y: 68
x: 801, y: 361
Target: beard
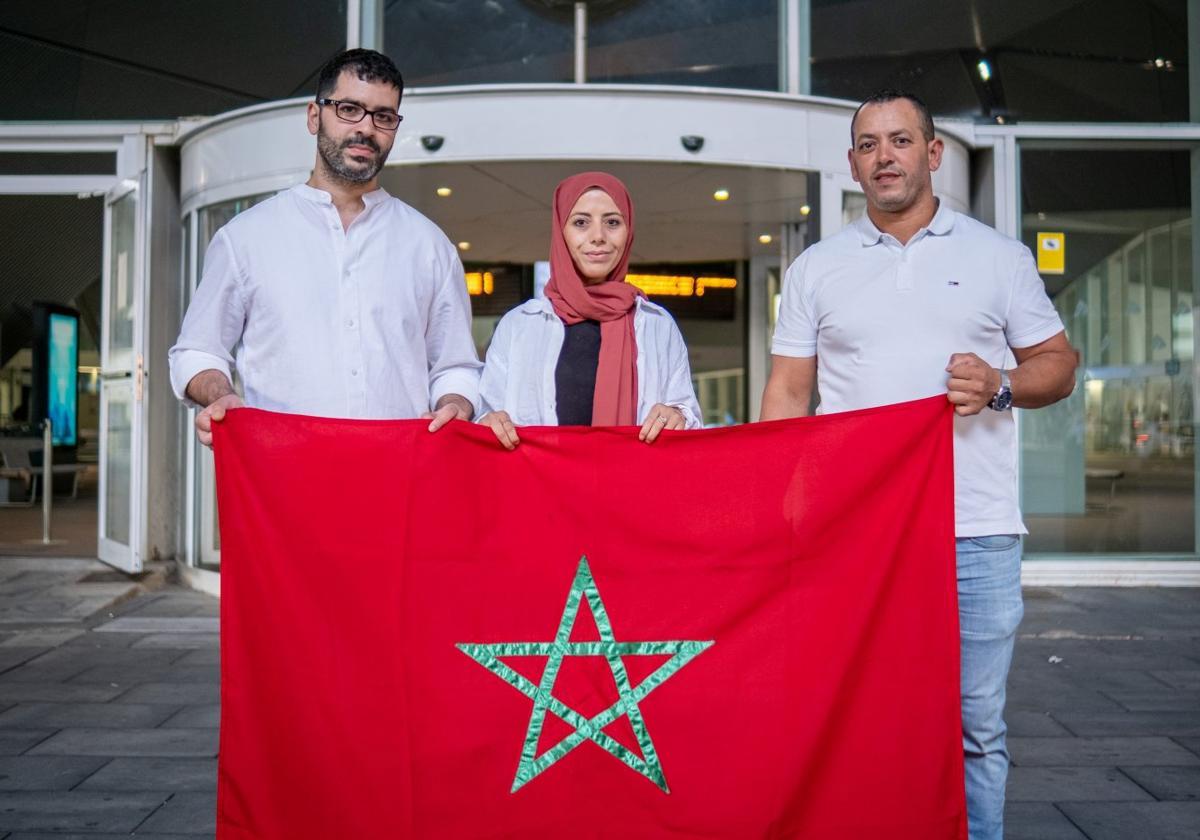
x: 333, y: 154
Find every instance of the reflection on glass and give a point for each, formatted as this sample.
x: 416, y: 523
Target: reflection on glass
x: 455, y: 42
x: 719, y: 43
x: 1045, y: 61
x: 122, y: 264
x: 1112, y: 468
x: 117, y: 459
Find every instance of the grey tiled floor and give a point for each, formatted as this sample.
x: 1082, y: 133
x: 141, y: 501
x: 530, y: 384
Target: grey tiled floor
x: 108, y: 714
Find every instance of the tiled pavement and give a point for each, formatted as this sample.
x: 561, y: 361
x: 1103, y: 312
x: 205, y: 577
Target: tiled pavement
x: 108, y: 711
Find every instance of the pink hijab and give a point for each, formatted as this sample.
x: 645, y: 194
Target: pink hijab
x: 612, y: 302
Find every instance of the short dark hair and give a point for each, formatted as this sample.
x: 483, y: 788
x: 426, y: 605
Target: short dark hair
x: 891, y: 95
x: 368, y: 65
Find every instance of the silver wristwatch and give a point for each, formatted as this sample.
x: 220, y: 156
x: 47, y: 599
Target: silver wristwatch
x: 1002, y: 399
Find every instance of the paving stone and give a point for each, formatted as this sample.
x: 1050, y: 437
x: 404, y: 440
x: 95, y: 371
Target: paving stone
x: 84, y: 658
x: 12, y: 693
x: 168, y: 774
x: 17, y: 741
x: 1055, y: 696
x: 1023, y: 723
x: 11, y: 657
x: 134, y: 742
x: 1160, y: 700
x: 76, y: 810
x: 160, y: 624
x: 194, y: 813
x: 141, y: 835
x: 1073, y: 784
x: 190, y: 641
x: 134, y: 674
x: 42, y: 637
x: 200, y: 717
x: 200, y: 657
x: 170, y: 693
x: 1038, y: 821
x: 1099, y: 752
x: 1170, y: 783
x: 46, y: 772
x: 1185, y: 724
x: 1185, y: 680
x: 105, y: 640
x: 1125, y: 820
x: 1132, y: 655
x: 106, y: 715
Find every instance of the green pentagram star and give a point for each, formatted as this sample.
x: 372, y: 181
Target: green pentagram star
x: 586, y: 729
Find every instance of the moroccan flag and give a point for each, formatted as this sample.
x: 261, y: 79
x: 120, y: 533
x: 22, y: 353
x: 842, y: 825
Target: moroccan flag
x: 731, y: 633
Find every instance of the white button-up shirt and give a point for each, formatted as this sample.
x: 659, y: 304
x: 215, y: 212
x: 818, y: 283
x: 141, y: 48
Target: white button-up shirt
x: 372, y: 321
x: 519, y: 374
x: 883, y: 320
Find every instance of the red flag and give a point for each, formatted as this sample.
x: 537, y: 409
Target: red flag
x: 732, y: 633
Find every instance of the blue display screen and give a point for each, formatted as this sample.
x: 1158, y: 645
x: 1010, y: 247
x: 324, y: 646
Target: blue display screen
x: 63, y: 403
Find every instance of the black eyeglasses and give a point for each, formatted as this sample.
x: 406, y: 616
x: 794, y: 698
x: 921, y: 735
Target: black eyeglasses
x: 352, y: 112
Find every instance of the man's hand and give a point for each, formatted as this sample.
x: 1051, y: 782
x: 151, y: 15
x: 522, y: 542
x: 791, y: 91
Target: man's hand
x: 661, y: 417
x: 502, y: 426
x: 449, y: 407
x: 973, y: 383
x: 214, y: 413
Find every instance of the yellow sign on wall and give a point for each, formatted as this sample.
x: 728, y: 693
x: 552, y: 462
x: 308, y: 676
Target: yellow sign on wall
x: 1052, y: 253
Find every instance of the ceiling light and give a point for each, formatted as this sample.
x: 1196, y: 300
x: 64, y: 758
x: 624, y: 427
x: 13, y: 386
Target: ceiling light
x: 464, y: 246
x: 764, y: 238
x: 444, y: 192
x: 721, y: 195
x: 805, y: 210
x: 985, y: 69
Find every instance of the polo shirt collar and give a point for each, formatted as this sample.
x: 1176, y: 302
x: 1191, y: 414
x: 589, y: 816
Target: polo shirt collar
x: 941, y: 224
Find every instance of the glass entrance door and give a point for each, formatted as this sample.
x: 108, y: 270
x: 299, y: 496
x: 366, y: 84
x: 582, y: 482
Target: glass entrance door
x: 122, y: 382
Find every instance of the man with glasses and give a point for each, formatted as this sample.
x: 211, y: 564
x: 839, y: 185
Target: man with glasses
x: 338, y: 299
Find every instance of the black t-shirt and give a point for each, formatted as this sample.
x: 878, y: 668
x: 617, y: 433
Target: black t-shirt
x: 575, y: 374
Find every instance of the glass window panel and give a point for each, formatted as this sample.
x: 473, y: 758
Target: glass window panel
x: 719, y: 43
x: 1181, y: 318
x: 455, y: 42
x: 1104, y: 60
x: 1158, y: 290
x: 122, y: 265
x: 1111, y: 469
x: 1134, y: 315
x: 117, y: 459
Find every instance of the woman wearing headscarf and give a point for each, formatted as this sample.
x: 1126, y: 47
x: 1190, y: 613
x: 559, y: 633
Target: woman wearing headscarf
x: 595, y: 351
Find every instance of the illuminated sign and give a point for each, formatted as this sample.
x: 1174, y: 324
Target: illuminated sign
x: 56, y: 370
x: 668, y: 285
x: 481, y: 282
x: 1052, y: 253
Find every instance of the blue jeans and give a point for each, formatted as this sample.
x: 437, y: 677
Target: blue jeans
x: 989, y: 610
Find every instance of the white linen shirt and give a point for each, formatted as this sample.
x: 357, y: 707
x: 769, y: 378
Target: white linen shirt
x: 518, y: 376
x: 372, y: 321
x: 883, y: 320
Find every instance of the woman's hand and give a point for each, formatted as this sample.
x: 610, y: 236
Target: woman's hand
x: 502, y: 425
x: 661, y: 417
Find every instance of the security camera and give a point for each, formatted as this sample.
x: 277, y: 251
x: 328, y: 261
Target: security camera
x: 692, y: 142
x: 432, y: 142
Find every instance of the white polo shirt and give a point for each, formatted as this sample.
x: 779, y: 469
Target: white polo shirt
x: 883, y: 320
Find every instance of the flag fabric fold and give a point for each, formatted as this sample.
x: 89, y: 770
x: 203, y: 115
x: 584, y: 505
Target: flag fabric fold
x: 730, y: 633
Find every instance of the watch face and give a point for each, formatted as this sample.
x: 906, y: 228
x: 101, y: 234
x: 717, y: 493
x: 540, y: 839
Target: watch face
x: 1003, y: 400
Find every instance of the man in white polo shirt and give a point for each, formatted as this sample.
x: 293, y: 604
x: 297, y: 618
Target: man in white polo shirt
x: 914, y: 300
x: 338, y: 299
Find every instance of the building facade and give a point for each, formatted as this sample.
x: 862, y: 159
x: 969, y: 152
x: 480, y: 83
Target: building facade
x: 1071, y: 126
